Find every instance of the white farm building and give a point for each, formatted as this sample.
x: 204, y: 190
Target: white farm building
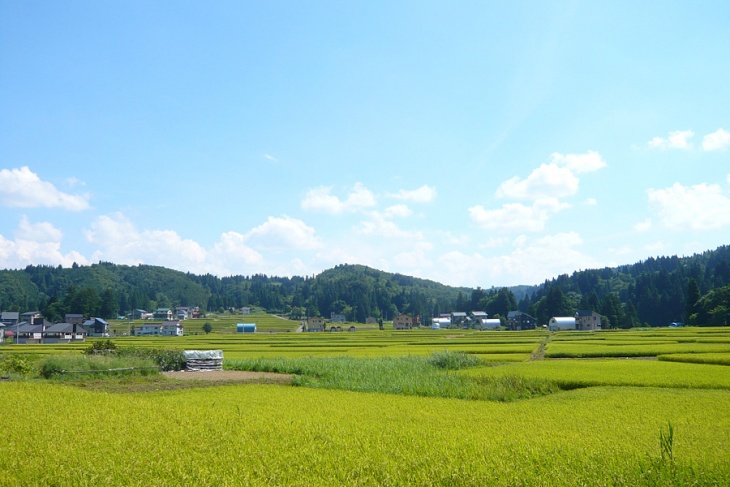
x: 561, y: 323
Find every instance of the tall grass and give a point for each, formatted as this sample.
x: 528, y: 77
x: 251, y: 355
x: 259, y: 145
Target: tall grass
x: 411, y: 376
x: 94, y: 366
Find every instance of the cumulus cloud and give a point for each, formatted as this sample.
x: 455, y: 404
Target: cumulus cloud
x: 321, y: 199
x: 556, y: 179
x: 699, y: 207
x: 424, y: 194
x: 283, y: 233
x: 679, y: 139
x: 716, y: 141
x: 119, y: 241
x: 377, y: 224
x: 38, y: 244
x: 530, y: 262
x: 22, y: 188
x: 517, y: 217
x: 548, y: 180
x: 231, y: 252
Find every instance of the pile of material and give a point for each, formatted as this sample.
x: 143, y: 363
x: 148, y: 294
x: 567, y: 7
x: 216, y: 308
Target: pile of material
x: 198, y: 360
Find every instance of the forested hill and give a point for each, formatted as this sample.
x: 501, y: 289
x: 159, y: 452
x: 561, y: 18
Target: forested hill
x: 652, y: 292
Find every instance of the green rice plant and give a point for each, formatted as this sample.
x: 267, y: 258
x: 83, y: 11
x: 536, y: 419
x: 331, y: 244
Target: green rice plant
x: 571, y: 374
x: 260, y: 435
x: 697, y: 358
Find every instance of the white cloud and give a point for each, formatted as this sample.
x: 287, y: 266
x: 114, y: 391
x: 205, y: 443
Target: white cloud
x: 643, y: 226
x: 37, y: 244
x: 591, y: 161
x: 119, y: 241
x: 320, y: 199
x: 718, y: 140
x: 679, y: 139
x: 548, y: 180
x: 37, y: 232
x: 415, y: 260
x: 424, y: 194
x: 231, y: 252
x: 516, y: 217
x: 699, y: 207
x: 531, y: 262
x: 590, y: 202
x: 270, y: 158
x: 378, y: 225
x: 22, y: 188
x: 397, y: 211
x: 283, y: 233
x: 556, y: 179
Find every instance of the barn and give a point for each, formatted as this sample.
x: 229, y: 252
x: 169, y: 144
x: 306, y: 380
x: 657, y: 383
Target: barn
x: 561, y: 323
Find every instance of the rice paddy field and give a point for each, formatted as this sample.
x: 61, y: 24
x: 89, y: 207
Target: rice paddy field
x: 636, y: 407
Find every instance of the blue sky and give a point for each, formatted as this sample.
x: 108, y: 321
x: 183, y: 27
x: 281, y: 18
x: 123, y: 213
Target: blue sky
x: 473, y: 143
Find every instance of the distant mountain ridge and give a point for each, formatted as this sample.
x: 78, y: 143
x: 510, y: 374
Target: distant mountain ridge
x: 653, y: 291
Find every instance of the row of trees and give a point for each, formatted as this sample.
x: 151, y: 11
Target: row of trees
x: 652, y: 292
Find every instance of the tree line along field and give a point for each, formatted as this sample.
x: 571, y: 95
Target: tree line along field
x: 640, y: 407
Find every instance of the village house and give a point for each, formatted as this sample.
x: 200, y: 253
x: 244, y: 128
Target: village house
x: 163, y: 314
x: 337, y: 317
x: 166, y: 328
x: 74, y: 319
x: 30, y: 316
x: 315, y: 323
x: 517, y: 320
x: 10, y: 318
x: 96, y: 327
x: 458, y: 318
x: 586, y: 319
x: 64, y: 333
x: 30, y: 333
x: 406, y: 322
x: 478, y: 316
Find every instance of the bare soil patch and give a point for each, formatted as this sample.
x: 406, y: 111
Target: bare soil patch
x: 231, y: 376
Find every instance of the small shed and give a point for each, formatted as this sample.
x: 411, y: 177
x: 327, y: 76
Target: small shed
x: 246, y: 328
x: 561, y: 323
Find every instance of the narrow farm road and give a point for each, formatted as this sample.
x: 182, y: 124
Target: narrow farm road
x: 539, y: 354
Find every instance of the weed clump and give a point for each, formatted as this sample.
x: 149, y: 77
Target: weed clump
x: 454, y: 360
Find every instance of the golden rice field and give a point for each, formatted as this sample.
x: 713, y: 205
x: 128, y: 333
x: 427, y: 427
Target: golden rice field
x: 602, y: 428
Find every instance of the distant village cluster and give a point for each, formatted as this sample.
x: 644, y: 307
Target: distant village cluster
x: 30, y: 327
x: 479, y: 320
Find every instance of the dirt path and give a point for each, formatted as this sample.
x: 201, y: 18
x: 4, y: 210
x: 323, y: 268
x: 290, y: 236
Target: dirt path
x: 231, y: 376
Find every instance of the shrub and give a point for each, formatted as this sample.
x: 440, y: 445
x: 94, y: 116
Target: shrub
x: 16, y: 364
x: 104, y: 347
